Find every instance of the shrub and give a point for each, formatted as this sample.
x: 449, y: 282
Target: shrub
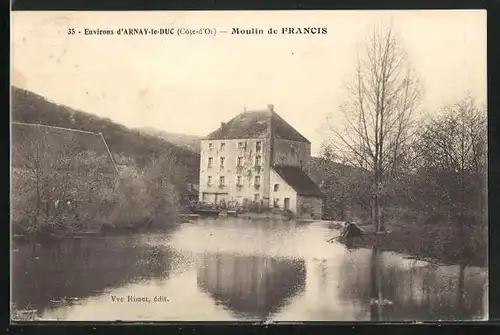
x: 66, y: 191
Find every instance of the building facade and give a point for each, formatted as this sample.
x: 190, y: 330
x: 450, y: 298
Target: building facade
x: 258, y: 158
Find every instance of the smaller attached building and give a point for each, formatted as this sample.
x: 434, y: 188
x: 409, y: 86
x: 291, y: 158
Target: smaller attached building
x: 292, y: 189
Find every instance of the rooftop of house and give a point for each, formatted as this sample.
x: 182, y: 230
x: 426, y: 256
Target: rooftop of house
x: 298, y: 180
x: 257, y: 124
x: 57, y: 142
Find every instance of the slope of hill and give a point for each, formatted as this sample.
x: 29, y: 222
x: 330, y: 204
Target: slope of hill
x: 29, y: 107
x: 190, y: 142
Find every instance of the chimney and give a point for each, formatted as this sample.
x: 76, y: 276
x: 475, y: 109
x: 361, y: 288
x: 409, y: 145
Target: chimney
x: 222, y: 124
x: 270, y: 108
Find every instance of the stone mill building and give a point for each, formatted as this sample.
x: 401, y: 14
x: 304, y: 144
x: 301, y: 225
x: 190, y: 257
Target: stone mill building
x: 257, y: 157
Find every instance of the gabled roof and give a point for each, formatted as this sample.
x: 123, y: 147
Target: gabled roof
x: 298, y: 180
x: 257, y: 124
x: 86, y: 147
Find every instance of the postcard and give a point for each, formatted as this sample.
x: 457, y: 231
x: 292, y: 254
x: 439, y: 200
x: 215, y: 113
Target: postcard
x: 273, y: 166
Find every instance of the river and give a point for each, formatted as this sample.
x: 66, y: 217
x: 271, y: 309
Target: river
x: 235, y: 269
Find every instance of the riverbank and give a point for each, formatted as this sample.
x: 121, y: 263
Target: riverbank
x: 95, y: 229
x: 442, y: 243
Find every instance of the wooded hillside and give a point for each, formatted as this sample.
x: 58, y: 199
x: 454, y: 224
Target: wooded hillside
x: 190, y: 142
x: 29, y: 107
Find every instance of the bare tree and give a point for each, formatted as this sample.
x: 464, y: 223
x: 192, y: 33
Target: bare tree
x: 378, y: 114
x: 54, y: 180
x: 452, y: 154
x: 30, y: 161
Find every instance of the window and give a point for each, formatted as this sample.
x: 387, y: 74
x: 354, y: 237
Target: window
x: 257, y: 180
x: 276, y: 187
x: 238, y: 182
x: 276, y: 203
x: 222, y: 159
x: 258, y: 160
x: 209, y: 182
x: 240, y: 162
x: 301, y: 164
x: 222, y: 181
x: 210, y: 146
x: 241, y: 145
x: 293, y: 150
x: 256, y: 197
x: 258, y: 146
x: 210, y: 162
x: 222, y: 145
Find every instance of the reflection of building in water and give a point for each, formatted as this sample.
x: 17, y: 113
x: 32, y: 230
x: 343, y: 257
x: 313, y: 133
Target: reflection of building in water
x: 252, y: 285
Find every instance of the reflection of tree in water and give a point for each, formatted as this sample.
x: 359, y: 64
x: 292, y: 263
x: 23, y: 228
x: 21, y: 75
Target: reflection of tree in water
x: 323, y: 271
x: 78, y: 268
x: 254, y: 286
x: 468, y: 300
x: 395, y: 292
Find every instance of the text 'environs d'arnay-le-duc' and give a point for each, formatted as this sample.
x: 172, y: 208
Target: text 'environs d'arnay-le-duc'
x: 206, y: 31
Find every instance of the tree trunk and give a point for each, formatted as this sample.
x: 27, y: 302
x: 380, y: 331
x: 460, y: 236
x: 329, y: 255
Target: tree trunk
x: 377, y: 207
x: 342, y: 211
x: 380, y: 218
x: 377, y: 213
x: 37, y: 195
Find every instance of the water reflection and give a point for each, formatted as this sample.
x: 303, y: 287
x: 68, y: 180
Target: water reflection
x: 53, y: 273
x: 402, y: 289
x: 240, y: 270
x: 251, y: 286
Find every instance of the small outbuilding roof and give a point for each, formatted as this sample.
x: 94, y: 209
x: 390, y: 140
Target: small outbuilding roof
x: 299, y: 181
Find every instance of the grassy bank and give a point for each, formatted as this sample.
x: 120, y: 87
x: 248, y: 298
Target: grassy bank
x: 69, y: 230
x: 443, y: 243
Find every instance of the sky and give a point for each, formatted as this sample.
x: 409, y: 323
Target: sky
x: 190, y: 84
